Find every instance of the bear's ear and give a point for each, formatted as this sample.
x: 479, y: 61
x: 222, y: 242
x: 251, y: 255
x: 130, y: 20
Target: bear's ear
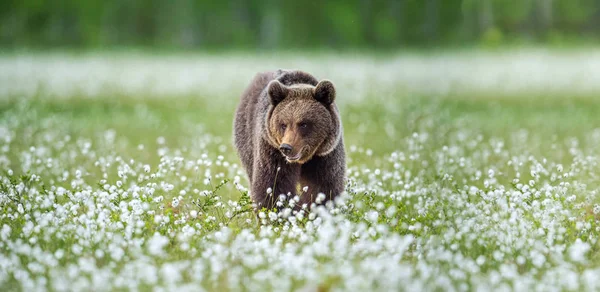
x: 277, y: 92
x: 325, y: 92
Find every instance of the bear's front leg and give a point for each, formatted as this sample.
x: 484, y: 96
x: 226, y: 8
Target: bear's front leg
x: 272, y: 176
x: 323, y: 174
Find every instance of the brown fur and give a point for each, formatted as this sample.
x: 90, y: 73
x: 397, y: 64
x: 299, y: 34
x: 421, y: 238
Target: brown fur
x: 313, y: 129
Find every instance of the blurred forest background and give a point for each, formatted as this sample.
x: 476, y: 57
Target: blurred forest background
x: 270, y: 24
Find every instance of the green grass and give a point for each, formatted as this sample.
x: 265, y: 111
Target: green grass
x: 141, y: 118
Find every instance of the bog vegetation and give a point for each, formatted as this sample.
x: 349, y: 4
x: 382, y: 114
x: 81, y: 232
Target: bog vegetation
x: 118, y: 172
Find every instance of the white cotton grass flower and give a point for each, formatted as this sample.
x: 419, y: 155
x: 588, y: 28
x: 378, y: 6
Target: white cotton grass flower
x: 156, y: 244
x: 372, y: 216
x: 5, y: 232
x: 273, y: 216
x: 320, y: 198
x: 578, y: 250
x: 175, y: 202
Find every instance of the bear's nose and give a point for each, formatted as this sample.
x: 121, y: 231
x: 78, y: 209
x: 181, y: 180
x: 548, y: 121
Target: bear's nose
x: 285, y: 148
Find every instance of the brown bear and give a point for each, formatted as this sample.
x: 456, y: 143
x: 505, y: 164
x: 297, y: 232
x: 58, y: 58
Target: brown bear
x: 288, y: 134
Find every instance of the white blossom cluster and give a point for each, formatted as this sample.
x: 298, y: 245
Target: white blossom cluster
x: 90, y: 212
x: 508, y: 72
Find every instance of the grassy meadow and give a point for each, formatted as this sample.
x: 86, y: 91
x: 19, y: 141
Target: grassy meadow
x: 466, y: 171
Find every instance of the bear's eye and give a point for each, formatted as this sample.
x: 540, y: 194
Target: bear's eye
x: 303, y: 125
x: 283, y: 126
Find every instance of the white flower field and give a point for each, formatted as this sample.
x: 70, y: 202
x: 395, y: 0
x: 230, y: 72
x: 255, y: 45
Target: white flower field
x: 466, y: 171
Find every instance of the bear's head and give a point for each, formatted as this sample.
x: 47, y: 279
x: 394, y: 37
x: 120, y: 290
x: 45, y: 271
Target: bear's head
x: 303, y: 120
